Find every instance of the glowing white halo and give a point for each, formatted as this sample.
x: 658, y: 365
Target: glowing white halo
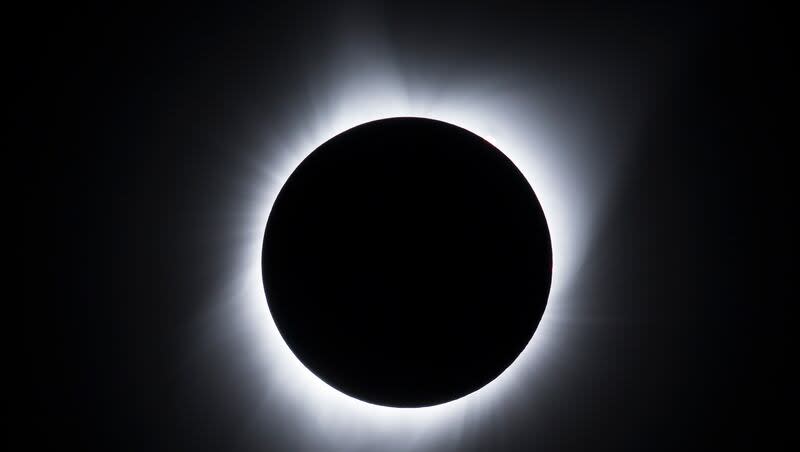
x: 325, y: 415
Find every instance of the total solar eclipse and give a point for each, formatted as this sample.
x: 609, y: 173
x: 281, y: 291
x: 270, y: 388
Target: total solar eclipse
x: 407, y: 262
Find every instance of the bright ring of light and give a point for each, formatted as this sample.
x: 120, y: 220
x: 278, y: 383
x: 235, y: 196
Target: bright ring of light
x: 292, y: 391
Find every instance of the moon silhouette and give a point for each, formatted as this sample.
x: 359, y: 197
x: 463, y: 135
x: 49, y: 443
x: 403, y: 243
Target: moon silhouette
x: 407, y: 262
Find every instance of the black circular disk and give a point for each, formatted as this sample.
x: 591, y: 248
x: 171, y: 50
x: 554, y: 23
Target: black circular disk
x: 407, y: 262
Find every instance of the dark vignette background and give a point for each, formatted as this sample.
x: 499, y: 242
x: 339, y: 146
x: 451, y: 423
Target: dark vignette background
x: 126, y: 109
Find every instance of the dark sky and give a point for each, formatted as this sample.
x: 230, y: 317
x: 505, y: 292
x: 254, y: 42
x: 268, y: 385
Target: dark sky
x: 144, y: 124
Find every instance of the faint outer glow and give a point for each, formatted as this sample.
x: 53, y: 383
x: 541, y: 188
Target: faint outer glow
x: 311, y: 407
